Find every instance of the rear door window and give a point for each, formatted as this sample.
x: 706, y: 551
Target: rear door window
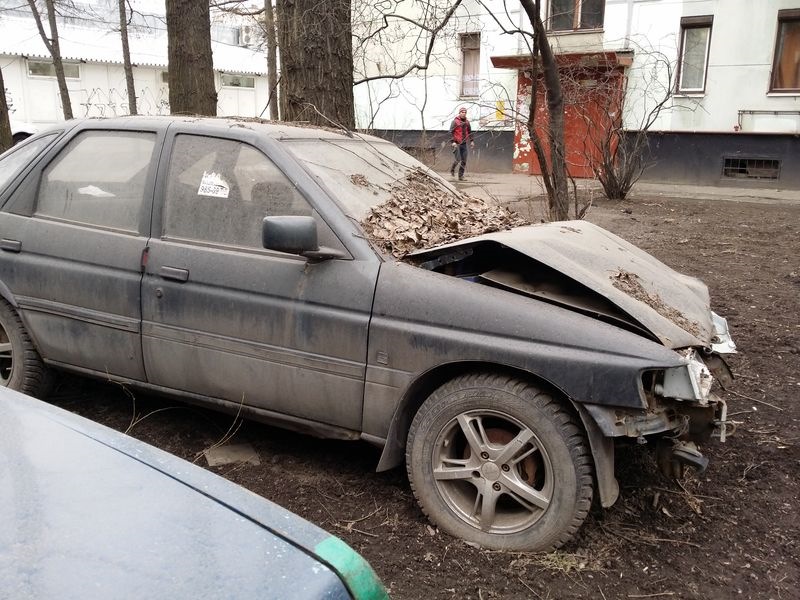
x: 219, y: 191
x: 99, y: 179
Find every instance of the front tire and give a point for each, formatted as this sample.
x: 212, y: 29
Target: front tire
x: 500, y: 463
x: 21, y: 367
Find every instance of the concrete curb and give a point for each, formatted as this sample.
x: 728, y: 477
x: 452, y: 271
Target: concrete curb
x: 509, y: 187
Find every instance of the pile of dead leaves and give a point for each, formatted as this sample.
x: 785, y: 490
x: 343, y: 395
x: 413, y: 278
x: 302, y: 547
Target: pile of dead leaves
x: 631, y: 285
x: 422, y: 213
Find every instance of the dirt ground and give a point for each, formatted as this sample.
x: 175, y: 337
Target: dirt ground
x: 731, y: 533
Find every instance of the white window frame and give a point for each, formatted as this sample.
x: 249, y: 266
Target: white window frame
x: 688, y: 24
x: 784, y: 16
x: 470, y: 43
x: 29, y: 62
x: 577, y: 8
x: 241, y: 78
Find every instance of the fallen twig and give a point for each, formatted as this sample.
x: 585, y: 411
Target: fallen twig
x: 677, y: 493
x: 669, y: 541
x: 650, y: 541
x: 743, y: 376
x: 741, y: 412
x: 651, y: 595
x: 325, y: 508
x: 530, y: 589
x: 361, y: 531
x: 364, y: 518
x: 764, y: 402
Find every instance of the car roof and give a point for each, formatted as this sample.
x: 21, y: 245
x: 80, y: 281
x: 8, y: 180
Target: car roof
x: 86, y: 511
x: 275, y: 129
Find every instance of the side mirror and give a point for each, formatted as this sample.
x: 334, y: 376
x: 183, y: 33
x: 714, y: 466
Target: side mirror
x: 295, y: 235
x: 291, y: 234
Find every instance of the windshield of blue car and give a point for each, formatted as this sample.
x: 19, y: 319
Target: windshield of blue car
x: 360, y: 172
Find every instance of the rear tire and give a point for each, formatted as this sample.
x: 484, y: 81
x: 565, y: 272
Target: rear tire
x: 21, y: 367
x: 500, y: 463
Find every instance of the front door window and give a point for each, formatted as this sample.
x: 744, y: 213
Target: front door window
x: 219, y: 191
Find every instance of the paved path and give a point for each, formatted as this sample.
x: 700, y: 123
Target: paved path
x: 507, y: 187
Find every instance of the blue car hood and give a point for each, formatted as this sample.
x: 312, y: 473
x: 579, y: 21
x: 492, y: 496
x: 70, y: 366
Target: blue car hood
x: 86, y: 512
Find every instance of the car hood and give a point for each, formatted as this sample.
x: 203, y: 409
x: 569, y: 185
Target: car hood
x: 89, y: 512
x: 582, y: 266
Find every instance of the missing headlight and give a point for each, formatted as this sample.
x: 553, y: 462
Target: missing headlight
x: 688, y: 382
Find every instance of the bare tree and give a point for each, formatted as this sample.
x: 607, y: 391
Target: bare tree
x: 126, y: 56
x: 552, y: 161
x: 395, y: 43
x: 191, y: 70
x: 272, y: 58
x: 6, y: 141
x: 51, y: 42
x: 316, y: 84
x: 385, y: 24
x: 617, y: 150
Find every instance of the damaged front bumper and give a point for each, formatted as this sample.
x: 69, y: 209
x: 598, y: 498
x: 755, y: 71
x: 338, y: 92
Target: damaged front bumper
x: 681, y: 410
x: 682, y: 420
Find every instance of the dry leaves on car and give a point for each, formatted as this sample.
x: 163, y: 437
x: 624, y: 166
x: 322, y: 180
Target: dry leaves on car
x: 631, y: 284
x: 422, y: 213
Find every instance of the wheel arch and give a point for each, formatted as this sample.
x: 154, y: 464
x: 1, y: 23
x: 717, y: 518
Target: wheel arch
x: 602, y: 447
x: 6, y: 295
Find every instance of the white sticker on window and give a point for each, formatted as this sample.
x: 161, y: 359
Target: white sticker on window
x: 93, y: 190
x: 213, y: 185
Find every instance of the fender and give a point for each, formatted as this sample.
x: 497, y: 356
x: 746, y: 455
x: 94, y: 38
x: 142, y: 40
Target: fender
x: 6, y: 294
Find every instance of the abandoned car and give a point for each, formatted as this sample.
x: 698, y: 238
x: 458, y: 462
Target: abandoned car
x: 327, y: 282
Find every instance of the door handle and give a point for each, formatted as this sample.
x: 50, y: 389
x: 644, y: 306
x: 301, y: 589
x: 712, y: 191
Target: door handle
x: 174, y: 273
x: 10, y: 245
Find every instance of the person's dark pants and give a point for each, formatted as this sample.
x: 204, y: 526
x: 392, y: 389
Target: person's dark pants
x: 459, y: 159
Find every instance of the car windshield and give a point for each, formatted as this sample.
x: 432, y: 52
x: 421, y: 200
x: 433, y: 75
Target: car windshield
x: 360, y: 173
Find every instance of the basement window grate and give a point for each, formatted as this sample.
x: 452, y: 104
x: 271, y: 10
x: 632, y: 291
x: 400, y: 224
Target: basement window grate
x: 752, y: 168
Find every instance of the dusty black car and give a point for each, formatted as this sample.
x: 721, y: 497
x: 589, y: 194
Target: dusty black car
x: 230, y: 263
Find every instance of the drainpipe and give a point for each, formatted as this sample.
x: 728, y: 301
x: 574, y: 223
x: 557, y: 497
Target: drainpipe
x: 628, y: 25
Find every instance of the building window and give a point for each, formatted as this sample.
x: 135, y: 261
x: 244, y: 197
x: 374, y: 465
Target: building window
x: 695, y: 44
x: 786, y: 66
x: 569, y: 15
x: 752, y: 168
x: 470, y: 63
x: 165, y: 77
x: 239, y: 81
x: 46, y: 68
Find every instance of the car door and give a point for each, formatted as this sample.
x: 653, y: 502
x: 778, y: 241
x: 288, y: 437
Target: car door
x: 225, y: 318
x: 73, y: 238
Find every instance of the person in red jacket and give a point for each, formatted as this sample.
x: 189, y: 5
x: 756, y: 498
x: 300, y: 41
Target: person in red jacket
x: 460, y: 134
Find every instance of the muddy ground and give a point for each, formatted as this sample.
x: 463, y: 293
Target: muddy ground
x: 731, y: 533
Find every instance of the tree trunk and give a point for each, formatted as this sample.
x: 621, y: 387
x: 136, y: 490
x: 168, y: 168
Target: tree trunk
x: 315, y: 39
x: 555, y: 173
x: 6, y: 141
x: 272, y: 59
x: 191, y: 70
x: 52, y: 45
x: 559, y: 203
x: 126, y: 56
